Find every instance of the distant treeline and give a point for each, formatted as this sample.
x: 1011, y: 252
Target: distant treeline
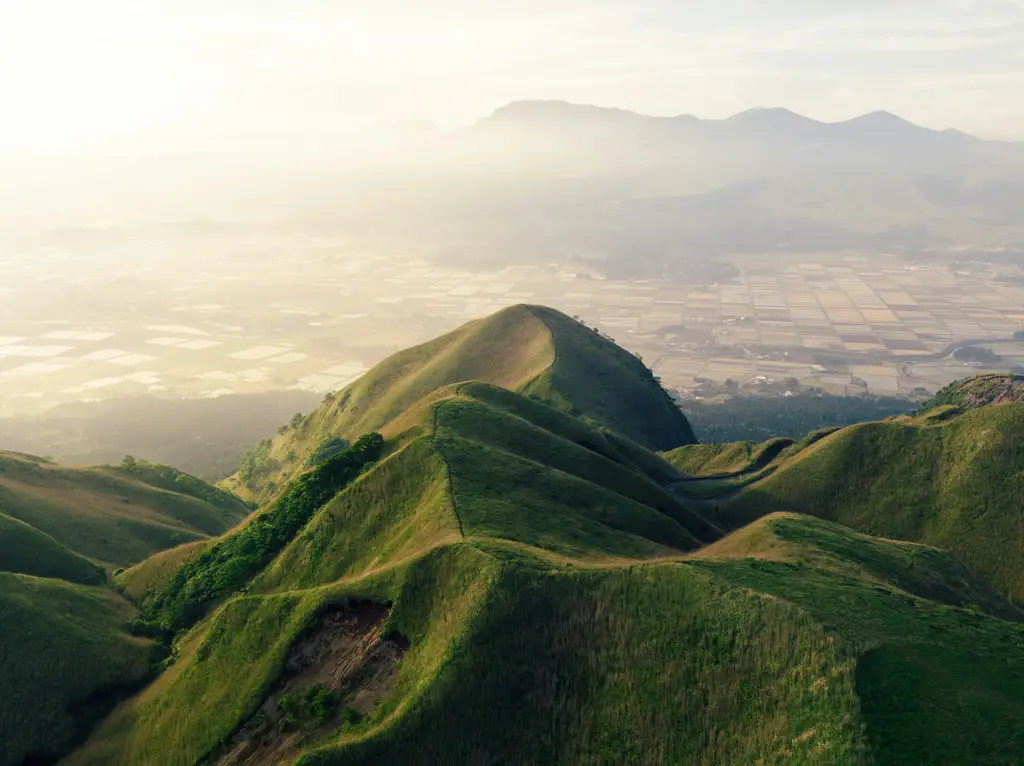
x: 757, y: 418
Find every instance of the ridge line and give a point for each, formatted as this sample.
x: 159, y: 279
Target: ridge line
x: 447, y: 467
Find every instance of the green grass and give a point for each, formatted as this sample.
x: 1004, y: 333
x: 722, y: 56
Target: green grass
x: 526, y: 349
x: 235, y: 559
x: 725, y: 459
x: 26, y: 550
x: 559, y: 608
x: 63, y: 655
x: 978, y: 391
x: 954, y: 484
x: 107, y: 515
x: 143, y: 579
x: 553, y: 616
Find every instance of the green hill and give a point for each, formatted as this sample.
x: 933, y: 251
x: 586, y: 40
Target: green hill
x: 508, y: 583
x: 978, y: 392
x: 532, y: 350
x: 113, y: 516
x: 949, y: 478
x: 26, y: 550
x: 65, y: 659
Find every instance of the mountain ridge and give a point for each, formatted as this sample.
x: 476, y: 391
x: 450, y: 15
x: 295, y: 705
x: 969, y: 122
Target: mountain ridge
x: 540, y: 111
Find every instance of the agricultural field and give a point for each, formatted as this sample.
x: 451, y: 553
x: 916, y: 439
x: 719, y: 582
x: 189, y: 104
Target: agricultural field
x: 314, y: 315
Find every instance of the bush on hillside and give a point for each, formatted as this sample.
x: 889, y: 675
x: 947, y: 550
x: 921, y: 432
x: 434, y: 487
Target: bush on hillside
x: 327, y: 448
x: 256, y: 464
x: 228, y: 565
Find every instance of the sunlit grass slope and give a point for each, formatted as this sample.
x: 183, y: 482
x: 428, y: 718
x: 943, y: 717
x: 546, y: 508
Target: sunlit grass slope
x: 109, y: 515
x: 557, y: 609
x: 955, y: 483
x: 149, y: 575
x: 528, y: 349
x: 26, y: 550
x: 63, y: 657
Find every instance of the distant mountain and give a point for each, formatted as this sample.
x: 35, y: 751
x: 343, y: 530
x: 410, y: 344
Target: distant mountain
x: 776, y: 124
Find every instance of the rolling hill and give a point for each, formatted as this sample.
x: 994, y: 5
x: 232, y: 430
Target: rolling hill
x: 67, y: 659
x: 533, y: 350
x: 66, y: 652
x: 499, y: 576
x: 949, y: 477
x: 112, y: 516
x: 510, y: 583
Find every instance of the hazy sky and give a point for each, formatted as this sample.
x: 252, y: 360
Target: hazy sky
x: 178, y: 73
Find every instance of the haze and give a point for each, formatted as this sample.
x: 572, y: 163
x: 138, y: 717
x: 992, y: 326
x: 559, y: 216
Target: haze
x: 205, y: 200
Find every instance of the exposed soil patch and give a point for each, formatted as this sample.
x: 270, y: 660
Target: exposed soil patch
x: 338, y: 670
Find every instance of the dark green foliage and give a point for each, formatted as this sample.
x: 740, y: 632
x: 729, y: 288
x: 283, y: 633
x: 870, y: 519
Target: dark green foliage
x: 314, y: 705
x: 229, y: 564
x: 328, y: 447
x: 759, y: 418
x: 256, y: 463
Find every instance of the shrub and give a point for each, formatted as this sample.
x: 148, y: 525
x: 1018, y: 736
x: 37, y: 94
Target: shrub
x: 327, y: 448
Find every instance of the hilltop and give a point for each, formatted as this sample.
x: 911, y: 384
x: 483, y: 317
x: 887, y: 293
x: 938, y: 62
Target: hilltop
x: 978, y: 391
x: 533, y: 350
x: 113, y: 515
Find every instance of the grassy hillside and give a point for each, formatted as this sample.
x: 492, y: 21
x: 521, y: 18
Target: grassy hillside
x: 725, y: 459
x: 144, y: 578
x: 64, y: 659
x: 509, y: 584
x: 515, y: 658
x: 111, y: 515
x: 26, y: 550
x: 528, y: 349
x: 978, y: 391
x: 952, y: 480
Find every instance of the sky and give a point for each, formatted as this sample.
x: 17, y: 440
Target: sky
x: 80, y: 75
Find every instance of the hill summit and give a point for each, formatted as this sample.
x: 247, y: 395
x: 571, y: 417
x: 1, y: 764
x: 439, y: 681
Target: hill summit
x: 533, y: 350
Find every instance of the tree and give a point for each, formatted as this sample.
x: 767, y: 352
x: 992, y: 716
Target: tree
x: 296, y: 420
x: 129, y: 463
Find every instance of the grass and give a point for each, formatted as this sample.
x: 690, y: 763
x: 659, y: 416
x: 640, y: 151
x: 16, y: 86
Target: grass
x: 26, y: 550
x: 236, y: 558
x: 952, y: 483
x: 64, y: 657
x: 106, y: 515
x: 143, y: 579
x: 526, y: 349
x: 978, y: 391
x: 725, y: 459
x: 556, y: 612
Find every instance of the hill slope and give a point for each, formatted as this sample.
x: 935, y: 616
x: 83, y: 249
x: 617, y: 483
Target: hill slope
x: 26, y: 550
x: 528, y: 349
x: 112, y: 515
x: 978, y: 391
x: 66, y: 659
x: 945, y: 479
x: 510, y: 584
